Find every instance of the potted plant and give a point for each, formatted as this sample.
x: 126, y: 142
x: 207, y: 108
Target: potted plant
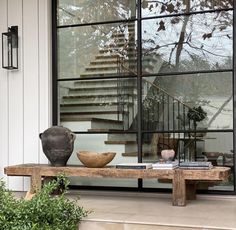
x: 196, y: 114
x: 43, y: 212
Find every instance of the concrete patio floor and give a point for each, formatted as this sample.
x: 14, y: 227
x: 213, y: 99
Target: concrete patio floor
x: 151, y: 211
x: 138, y: 211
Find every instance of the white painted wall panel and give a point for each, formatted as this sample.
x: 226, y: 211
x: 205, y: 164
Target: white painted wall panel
x: 44, y: 70
x: 3, y: 97
x: 31, y: 81
x: 16, y: 80
x: 25, y: 94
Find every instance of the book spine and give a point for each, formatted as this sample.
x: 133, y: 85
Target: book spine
x: 167, y: 167
x: 195, y: 168
x: 131, y: 167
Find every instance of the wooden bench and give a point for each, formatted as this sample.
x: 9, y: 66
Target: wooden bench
x: 183, y: 180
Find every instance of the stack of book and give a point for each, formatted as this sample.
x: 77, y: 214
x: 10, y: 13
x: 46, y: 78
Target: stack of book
x: 196, y: 165
x: 165, y: 165
x: 134, y: 166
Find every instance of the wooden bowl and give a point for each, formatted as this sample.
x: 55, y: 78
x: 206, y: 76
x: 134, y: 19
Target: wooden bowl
x: 95, y: 160
x: 210, y: 155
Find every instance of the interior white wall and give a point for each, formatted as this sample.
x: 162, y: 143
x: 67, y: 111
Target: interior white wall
x: 25, y: 94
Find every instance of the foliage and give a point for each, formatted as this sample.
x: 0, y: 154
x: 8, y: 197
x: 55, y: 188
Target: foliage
x: 42, y: 212
x: 196, y: 114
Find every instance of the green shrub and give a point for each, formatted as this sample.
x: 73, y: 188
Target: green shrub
x: 43, y: 212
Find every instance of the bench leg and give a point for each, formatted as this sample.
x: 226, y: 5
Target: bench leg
x: 178, y: 189
x: 36, y: 183
x: 191, y: 187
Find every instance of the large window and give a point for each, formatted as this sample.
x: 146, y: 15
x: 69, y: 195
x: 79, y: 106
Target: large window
x: 137, y: 77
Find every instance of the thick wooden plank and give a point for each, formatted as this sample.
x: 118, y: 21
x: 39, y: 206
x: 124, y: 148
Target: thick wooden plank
x: 178, y: 189
x: 36, y: 180
x: 47, y: 170
x: 183, y: 180
x: 217, y: 173
x: 191, y: 187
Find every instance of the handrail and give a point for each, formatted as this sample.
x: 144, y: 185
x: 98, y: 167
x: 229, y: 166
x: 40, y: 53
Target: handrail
x: 158, y: 87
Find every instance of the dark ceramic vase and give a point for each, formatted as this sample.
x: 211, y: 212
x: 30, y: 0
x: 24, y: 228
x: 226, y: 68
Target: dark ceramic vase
x: 58, y: 144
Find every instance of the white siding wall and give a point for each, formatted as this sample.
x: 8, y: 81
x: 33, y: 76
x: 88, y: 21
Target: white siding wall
x: 25, y: 94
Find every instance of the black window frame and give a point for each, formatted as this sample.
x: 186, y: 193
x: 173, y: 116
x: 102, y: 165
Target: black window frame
x: 140, y: 132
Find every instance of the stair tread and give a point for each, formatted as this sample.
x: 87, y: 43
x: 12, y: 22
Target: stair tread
x: 97, y: 96
x: 92, y: 103
x: 120, y: 142
x: 102, y: 67
x: 82, y: 88
x: 102, y: 74
x: 97, y: 120
x: 103, y: 130
x: 90, y: 112
x: 106, y: 56
x: 106, y: 61
x: 135, y: 154
x: 118, y: 49
x: 102, y: 81
x: 109, y: 61
x: 99, y: 72
x: 96, y: 80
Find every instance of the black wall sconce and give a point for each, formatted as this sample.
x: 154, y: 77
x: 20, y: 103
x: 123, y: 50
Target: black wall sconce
x: 10, y: 48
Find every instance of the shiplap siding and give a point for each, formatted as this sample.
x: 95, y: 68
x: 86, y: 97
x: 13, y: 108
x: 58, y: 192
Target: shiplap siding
x: 25, y: 94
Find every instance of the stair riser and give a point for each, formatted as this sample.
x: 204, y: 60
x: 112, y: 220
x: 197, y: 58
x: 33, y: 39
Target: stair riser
x: 102, y: 83
x: 88, y: 108
x: 85, y: 125
x: 102, y: 68
x: 134, y: 148
x: 103, y: 116
x: 106, y: 125
x: 102, y: 86
x: 98, y: 99
x: 101, y: 91
x: 90, y: 99
x: 122, y: 137
x: 101, y: 74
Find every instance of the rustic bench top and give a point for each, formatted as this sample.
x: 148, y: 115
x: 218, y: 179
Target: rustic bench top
x: 216, y: 173
x: 180, y: 188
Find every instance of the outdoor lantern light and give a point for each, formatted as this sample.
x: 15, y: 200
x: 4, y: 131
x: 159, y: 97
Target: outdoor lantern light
x: 10, y: 48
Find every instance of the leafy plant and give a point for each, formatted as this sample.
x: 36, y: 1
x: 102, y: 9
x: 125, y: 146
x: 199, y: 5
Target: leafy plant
x: 43, y: 212
x: 196, y: 114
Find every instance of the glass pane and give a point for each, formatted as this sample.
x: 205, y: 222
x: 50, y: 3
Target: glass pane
x: 218, y: 148
x: 186, y: 102
x: 188, y: 43
x: 97, y: 51
x: 124, y: 145
x: 214, y: 147
x: 79, y: 12
x: 166, y: 7
x: 99, y: 105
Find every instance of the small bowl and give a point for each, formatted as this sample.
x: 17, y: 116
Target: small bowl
x: 212, y: 154
x: 95, y: 160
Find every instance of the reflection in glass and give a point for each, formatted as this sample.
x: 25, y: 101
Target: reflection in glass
x: 189, y: 43
x: 97, y: 51
x: 211, y: 146
x: 125, y: 146
x: 79, y: 12
x: 157, y: 8
x: 172, y: 102
x: 100, y: 104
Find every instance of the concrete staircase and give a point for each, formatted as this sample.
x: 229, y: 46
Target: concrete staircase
x: 107, y: 104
